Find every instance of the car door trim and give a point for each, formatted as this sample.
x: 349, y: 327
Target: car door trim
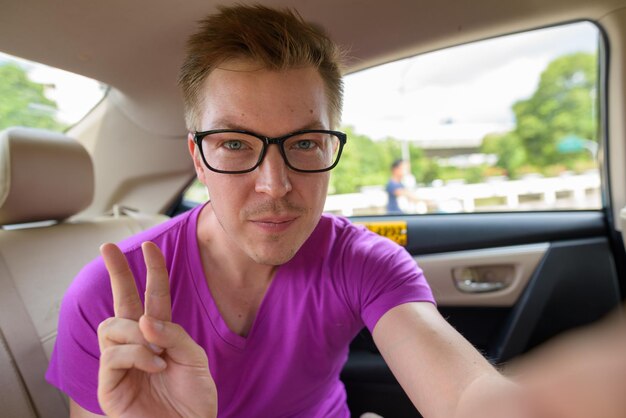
x: 438, y: 269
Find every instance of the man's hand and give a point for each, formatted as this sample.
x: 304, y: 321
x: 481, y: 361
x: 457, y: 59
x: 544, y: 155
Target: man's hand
x: 579, y: 374
x: 149, y: 366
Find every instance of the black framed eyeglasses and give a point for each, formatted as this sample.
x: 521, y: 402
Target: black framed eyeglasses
x: 233, y: 151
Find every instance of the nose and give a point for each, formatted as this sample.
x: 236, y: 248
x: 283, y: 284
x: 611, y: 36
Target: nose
x: 273, y: 174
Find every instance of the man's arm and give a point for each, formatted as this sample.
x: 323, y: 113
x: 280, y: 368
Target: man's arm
x: 400, y: 191
x: 441, y: 372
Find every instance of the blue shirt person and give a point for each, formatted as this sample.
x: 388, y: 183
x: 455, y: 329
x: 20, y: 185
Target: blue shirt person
x: 395, y: 188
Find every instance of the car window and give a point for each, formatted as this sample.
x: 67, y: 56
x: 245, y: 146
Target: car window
x: 505, y: 124
x: 38, y: 96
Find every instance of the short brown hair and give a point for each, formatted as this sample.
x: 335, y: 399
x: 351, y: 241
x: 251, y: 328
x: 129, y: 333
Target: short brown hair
x: 277, y: 39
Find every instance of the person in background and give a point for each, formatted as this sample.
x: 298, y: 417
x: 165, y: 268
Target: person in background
x: 395, y: 188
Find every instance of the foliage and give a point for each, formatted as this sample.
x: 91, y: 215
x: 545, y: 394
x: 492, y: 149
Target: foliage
x: 428, y: 171
x: 562, y: 105
x: 22, y: 101
x: 424, y: 169
x: 509, y: 149
x: 365, y: 162
x: 360, y: 165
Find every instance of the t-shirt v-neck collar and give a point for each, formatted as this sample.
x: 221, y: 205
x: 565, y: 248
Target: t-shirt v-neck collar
x: 272, y: 294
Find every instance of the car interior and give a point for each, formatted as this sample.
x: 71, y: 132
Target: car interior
x: 508, y: 281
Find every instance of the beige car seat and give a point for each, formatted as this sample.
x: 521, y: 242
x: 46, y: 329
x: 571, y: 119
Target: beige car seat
x: 45, y: 178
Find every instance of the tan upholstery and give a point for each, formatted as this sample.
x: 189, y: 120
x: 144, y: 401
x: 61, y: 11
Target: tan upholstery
x: 29, y: 160
x: 37, y: 263
x: 13, y: 396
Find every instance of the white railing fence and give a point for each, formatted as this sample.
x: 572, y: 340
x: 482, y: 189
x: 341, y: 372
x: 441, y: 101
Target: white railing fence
x: 564, y: 192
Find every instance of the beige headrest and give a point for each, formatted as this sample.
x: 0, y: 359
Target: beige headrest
x: 44, y: 176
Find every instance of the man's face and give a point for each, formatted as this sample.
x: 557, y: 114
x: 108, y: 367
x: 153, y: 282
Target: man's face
x: 268, y: 213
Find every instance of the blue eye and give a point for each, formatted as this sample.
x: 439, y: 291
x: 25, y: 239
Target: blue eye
x: 304, y: 144
x: 233, y: 145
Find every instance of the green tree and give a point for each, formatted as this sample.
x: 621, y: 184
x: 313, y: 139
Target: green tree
x: 365, y: 162
x: 562, y: 105
x: 362, y: 164
x: 22, y: 101
x: 509, y: 149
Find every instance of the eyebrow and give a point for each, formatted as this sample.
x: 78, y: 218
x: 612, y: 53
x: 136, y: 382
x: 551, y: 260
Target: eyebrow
x: 226, y: 124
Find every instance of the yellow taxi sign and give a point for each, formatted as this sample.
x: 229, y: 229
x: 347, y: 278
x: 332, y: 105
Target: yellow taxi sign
x: 394, y: 230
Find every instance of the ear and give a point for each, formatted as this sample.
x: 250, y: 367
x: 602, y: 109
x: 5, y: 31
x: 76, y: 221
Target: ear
x: 198, y: 164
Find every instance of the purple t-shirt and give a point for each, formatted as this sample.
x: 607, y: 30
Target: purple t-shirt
x: 342, y: 278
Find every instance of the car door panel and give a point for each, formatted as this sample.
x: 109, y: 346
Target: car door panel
x: 485, y: 277
x: 562, y: 275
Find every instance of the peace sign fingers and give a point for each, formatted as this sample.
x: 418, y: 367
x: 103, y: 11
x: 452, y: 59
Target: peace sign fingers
x: 158, y: 300
x: 126, y: 301
x: 149, y: 366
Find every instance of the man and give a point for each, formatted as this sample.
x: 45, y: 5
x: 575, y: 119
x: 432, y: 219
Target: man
x: 395, y: 188
x: 264, y: 292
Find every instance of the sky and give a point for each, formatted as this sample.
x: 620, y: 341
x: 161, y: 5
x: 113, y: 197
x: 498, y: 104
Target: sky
x: 465, y: 91
x: 461, y: 91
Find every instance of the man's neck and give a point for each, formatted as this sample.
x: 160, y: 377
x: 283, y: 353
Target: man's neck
x: 237, y: 283
x: 223, y: 259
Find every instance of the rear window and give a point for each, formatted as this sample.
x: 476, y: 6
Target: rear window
x: 38, y: 96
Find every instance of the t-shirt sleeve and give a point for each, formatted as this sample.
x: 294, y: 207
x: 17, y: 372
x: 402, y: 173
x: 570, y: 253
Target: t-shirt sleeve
x: 74, y: 363
x: 386, y: 276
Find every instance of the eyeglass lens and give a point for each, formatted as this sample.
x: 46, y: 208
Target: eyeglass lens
x: 233, y: 151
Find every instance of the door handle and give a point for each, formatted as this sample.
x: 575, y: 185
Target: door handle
x: 471, y: 286
x: 483, y: 279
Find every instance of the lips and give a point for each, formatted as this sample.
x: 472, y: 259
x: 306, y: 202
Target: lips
x: 274, y: 224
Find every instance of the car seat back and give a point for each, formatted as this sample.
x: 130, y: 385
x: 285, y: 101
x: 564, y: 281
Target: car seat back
x: 45, y: 179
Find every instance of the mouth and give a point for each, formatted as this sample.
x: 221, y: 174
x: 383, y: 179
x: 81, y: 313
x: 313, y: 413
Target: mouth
x: 274, y: 224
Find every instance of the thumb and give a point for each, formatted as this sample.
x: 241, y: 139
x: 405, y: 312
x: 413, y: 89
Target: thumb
x: 180, y: 347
